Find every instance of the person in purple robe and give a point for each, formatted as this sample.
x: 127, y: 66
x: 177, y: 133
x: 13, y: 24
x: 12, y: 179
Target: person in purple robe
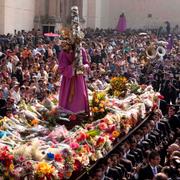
x: 170, y: 42
x: 73, y: 96
x: 121, y: 27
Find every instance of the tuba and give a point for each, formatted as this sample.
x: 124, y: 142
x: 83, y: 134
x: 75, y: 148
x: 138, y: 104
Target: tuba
x: 151, y: 52
x: 161, y: 51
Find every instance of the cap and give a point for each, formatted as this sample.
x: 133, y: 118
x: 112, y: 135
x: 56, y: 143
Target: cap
x: 2, y: 55
x: 16, y: 84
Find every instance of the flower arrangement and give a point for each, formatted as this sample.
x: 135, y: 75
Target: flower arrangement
x: 52, y: 116
x: 98, y: 105
x: 60, y: 152
x: 22, y: 170
x: 69, y: 162
x: 6, y: 161
x: 43, y: 170
x: 118, y: 86
x: 134, y: 88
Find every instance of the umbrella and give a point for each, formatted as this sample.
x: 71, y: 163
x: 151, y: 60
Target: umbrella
x: 51, y: 35
x: 142, y: 34
x: 163, y: 42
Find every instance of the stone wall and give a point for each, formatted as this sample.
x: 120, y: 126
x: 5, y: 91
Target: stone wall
x: 16, y: 14
x: 2, y: 16
x: 105, y: 13
x: 137, y: 12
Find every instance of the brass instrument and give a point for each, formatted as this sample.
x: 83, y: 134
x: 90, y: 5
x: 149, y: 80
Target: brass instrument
x: 151, y: 52
x: 161, y: 51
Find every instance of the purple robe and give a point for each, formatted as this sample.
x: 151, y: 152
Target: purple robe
x: 170, y: 43
x: 73, y: 97
x: 121, y: 27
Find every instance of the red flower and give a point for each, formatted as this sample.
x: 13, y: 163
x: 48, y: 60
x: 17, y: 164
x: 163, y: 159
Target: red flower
x: 60, y: 175
x: 81, y: 137
x: 58, y: 157
x: 155, y: 106
x: 161, y: 97
x: 10, y: 157
x: 100, y: 141
x: 72, y: 117
x: 77, y: 165
x: 111, y: 138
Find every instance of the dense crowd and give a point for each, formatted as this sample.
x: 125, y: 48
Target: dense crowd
x: 29, y: 72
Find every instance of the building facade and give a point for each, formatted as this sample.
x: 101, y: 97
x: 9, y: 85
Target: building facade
x: 50, y: 15
x: 16, y: 14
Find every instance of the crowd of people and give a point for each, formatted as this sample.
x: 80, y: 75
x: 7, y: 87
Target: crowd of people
x: 29, y: 72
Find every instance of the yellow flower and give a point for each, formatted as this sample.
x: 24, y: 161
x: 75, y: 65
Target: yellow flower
x: 102, y: 102
x: 44, y: 168
x: 101, y: 110
x: 117, y: 93
x: 101, y: 105
x: 11, y: 167
x: 96, y: 100
x: 115, y: 134
x: 6, y: 174
x: 95, y: 109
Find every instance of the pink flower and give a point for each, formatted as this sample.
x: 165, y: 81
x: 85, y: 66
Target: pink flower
x: 21, y: 158
x: 111, y: 128
x: 74, y: 145
x: 103, y: 126
x: 89, y: 126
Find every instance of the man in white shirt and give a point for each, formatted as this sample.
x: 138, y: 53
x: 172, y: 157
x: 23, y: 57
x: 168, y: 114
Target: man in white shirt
x: 15, y: 93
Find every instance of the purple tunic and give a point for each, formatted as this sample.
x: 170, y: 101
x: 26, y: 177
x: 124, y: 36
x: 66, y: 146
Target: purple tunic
x: 73, y: 97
